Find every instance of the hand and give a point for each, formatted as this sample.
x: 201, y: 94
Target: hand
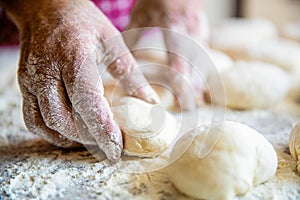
x: 62, y: 43
x: 186, y: 17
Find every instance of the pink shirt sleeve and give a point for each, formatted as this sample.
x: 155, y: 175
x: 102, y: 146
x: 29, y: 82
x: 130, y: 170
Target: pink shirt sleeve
x: 118, y: 11
x: 8, y: 31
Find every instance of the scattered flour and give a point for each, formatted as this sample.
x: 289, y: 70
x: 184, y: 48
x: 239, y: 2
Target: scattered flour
x: 30, y: 168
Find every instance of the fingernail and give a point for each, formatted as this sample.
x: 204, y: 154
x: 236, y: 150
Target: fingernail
x: 152, y: 96
x: 112, y: 151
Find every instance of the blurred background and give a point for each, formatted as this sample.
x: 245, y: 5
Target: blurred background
x: 279, y: 11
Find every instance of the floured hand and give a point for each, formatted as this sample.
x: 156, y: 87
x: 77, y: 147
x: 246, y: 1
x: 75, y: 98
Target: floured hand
x: 62, y: 42
x: 185, y: 17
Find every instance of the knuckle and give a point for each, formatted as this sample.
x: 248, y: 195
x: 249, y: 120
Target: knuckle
x: 31, y: 124
x: 52, y: 121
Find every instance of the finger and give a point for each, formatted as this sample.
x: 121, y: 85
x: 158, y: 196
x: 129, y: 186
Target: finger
x: 132, y: 34
x: 180, y: 83
x: 87, y: 98
x: 132, y: 79
x: 35, y: 124
x: 180, y: 75
x: 58, y: 115
x: 123, y: 67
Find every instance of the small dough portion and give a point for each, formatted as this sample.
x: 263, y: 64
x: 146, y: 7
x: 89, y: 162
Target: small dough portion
x: 250, y: 85
x: 235, y: 36
x: 240, y: 159
x: 294, y: 144
x: 291, y: 30
x: 294, y: 92
x: 256, y: 39
x: 281, y: 52
x: 221, y: 60
x: 148, y: 129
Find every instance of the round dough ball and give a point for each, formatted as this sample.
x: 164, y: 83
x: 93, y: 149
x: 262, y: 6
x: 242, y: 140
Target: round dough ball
x: 222, y: 61
x: 240, y: 158
x: 291, y: 30
x: 251, y: 85
x: 234, y: 36
x: 148, y: 129
x: 294, y: 144
x: 294, y: 92
x: 281, y: 52
x: 256, y: 39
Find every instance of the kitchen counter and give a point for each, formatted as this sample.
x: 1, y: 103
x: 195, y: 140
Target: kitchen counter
x: 30, y: 168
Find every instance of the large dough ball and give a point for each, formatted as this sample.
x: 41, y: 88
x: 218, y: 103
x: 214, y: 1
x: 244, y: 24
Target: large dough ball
x: 148, y: 129
x: 240, y: 159
x: 251, y: 85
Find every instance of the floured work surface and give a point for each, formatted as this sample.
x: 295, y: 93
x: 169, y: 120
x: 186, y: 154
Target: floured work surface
x: 31, y: 168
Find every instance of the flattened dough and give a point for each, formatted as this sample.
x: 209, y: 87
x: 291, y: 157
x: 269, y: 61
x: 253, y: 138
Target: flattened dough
x: 240, y: 159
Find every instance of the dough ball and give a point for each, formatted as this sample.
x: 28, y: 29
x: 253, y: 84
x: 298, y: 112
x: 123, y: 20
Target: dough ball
x: 291, y: 30
x: 114, y: 93
x: 256, y: 39
x: 294, y: 92
x: 294, y: 144
x: 221, y: 61
x: 234, y: 36
x: 240, y: 159
x: 281, y: 52
x: 251, y: 85
x: 148, y: 129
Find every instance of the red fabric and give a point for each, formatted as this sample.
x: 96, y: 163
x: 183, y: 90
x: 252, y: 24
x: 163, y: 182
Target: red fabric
x: 118, y: 11
x: 8, y: 31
